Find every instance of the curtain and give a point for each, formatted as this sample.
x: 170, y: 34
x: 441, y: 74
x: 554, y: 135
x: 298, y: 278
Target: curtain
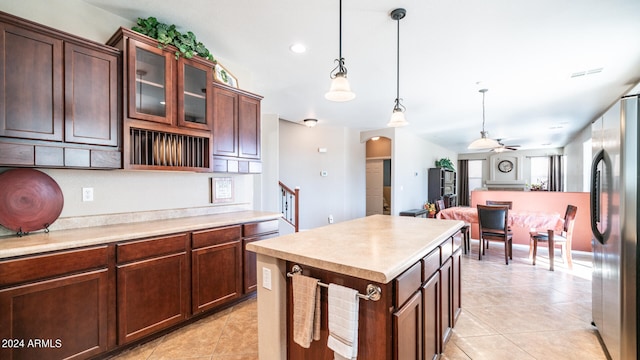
x: 463, y: 182
x: 555, y: 173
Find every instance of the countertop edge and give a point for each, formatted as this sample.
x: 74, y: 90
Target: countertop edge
x: 14, y: 246
x: 383, y: 277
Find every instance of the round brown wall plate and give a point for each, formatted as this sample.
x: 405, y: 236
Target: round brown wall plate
x: 30, y: 200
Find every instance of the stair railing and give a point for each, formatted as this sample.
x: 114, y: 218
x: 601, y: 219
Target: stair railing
x: 289, y: 205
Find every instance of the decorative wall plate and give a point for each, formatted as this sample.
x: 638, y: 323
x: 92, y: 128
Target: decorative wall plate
x: 30, y: 200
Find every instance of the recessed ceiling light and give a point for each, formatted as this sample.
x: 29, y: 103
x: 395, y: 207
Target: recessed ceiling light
x: 298, y: 48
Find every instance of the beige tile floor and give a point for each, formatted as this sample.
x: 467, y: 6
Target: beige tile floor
x: 510, y: 312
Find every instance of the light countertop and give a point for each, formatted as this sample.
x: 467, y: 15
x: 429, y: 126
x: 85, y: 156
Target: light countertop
x: 11, y: 246
x: 377, y: 248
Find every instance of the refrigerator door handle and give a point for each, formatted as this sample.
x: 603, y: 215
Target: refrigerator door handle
x: 595, y: 195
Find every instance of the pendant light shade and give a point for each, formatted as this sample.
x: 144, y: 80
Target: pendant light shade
x: 397, y: 117
x: 340, y: 89
x: 484, y: 143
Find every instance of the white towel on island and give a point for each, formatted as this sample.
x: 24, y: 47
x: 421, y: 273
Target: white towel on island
x: 343, y: 322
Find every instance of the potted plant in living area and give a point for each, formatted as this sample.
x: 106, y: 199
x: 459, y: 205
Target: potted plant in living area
x: 431, y: 208
x: 445, y: 163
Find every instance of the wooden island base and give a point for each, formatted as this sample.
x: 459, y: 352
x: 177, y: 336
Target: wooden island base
x: 412, y: 319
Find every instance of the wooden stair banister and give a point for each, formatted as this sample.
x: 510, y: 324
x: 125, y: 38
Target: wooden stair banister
x: 289, y: 205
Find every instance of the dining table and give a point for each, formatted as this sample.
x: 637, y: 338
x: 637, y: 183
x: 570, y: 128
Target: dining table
x: 533, y: 221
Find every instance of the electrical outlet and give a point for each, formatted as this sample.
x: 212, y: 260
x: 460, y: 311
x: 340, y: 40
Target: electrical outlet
x: 87, y: 194
x: 266, y: 278
x: 330, y: 219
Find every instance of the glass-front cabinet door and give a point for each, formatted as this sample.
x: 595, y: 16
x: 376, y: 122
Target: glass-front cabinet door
x: 194, y: 91
x: 150, y: 85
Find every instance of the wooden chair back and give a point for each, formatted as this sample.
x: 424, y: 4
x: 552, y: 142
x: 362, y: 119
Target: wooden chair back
x: 493, y: 219
x: 499, y: 202
x: 439, y: 205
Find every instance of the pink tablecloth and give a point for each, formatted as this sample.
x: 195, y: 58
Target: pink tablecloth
x: 534, y: 220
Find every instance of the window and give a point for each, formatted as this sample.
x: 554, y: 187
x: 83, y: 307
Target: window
x: 475, y: 175
x: 539, y: 173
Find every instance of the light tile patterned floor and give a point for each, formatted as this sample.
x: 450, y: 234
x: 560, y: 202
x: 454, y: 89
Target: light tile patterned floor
x: 510, y: 312
x: 521, y: 311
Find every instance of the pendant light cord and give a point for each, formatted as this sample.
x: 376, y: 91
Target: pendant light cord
x: 340, y: 36
x: 340, y: 68
x: 398, y: 63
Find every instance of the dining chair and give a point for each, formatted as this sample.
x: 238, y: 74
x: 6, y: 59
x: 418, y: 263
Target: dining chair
x: 493, y: 224
x: 564, y: 239
x: 465, y: 229
x: 500, y: 203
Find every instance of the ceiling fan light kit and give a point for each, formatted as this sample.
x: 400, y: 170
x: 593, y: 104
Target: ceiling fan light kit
x: 484, y: 143
x: 340, y: 89
x: 397, y: 117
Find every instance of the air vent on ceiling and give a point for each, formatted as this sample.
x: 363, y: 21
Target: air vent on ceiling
x: 586, y: 72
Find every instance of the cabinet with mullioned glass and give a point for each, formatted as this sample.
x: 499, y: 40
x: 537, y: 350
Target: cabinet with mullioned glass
x: 167, y: 103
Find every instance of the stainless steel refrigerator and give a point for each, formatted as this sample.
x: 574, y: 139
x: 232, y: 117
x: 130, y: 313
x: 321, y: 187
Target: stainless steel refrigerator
x: 614, y: 219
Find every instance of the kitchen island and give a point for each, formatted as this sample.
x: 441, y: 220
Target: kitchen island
x: 414, y: 261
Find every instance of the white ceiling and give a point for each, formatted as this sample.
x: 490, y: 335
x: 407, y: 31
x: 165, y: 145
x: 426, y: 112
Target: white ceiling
x: 523, y: 52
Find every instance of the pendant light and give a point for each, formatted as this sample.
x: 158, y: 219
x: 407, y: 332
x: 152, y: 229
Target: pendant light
x: 397, y: 117
x: 484, y: 142
x: 340, y: 89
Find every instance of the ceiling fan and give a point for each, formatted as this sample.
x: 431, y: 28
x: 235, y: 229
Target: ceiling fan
x: 504, y: 147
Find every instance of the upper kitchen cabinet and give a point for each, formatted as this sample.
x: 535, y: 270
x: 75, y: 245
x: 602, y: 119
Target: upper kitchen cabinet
x: 236, y: 130
x: 58, y: 98
x: 169, y: 106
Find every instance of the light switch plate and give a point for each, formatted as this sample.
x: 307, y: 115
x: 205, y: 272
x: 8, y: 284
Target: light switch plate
x: 266, y: 278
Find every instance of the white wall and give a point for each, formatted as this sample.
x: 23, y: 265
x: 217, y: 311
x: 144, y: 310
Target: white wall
x: 574, y: 156
x: 412, y: 157
x: 342, y: 192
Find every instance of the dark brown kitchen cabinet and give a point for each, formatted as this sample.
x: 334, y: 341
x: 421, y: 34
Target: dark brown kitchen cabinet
x: 431, y: 298
x: 456, y: 285
x: 91, y: 96
x: 153, y: 285
x: 59, y: 104
x: 32, y: 88
x: 254, y: 232
x: 236, y: 130
x: 168, y: 105
x: 61, y: 300
x: 407, y: 319
x: 407, y: 325
x: 225, y: 126
x: 446, y: 302
x: 216, y: 267
x: 431, y: 310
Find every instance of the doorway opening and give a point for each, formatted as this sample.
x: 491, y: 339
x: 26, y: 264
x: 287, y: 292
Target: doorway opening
x: 378, y: 177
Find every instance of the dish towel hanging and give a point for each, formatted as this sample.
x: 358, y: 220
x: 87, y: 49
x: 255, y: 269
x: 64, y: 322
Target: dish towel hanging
x: 343, y: 322
x: 306, y: 310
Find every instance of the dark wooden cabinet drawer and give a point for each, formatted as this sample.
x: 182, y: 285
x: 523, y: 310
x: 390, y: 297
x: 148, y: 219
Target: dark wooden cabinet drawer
x: 258, y: 228
x: 457, y: 241
x: 217, y: 236
x: 446, y: 249
x: 148, y: 248
x: 407, y: 283
x: 47, y: 266
x: 430, y: 264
